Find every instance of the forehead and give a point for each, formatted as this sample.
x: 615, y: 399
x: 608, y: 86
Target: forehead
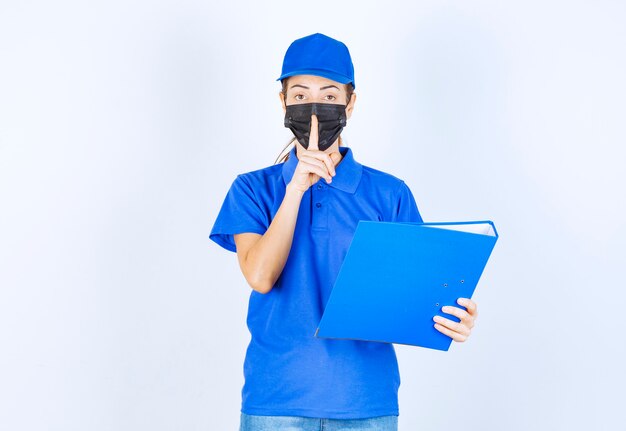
x: 313, y: 82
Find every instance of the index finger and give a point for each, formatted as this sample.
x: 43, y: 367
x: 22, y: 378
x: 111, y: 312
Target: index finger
x: 472, y: 307
x: 314, y: 134
x: 456, y: 311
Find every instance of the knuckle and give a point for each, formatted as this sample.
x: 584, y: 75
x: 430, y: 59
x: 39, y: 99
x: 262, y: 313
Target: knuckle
x: 462, y: 329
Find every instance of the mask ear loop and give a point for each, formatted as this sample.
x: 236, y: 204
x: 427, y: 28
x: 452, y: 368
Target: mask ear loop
x: 282, y: 152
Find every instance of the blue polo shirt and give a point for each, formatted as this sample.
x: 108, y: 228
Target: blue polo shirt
x: 287, y: 370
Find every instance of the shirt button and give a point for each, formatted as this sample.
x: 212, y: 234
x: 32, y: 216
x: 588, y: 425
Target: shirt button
x: 320, y: 187
x: 318, y: 205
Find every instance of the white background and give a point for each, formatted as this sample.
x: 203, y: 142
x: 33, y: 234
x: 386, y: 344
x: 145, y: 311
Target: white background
x: 123, y: 123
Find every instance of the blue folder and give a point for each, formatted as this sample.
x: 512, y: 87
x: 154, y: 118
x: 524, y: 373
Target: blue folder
x: 397, y: 276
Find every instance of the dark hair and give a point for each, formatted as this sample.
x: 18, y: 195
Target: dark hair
x: 285, y: 156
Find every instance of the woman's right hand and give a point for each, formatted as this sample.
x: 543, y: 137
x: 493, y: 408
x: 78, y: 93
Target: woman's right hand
x: 313, y: 164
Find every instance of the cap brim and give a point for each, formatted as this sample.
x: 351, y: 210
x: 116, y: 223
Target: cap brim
x: 342, y: 79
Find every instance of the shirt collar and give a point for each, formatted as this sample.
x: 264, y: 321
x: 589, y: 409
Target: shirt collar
x: 348, y: 171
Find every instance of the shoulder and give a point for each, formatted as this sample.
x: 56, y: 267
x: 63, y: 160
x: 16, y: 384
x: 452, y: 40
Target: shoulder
x: 262, y: 186
x: 376, y: 178
x: 261, y: 176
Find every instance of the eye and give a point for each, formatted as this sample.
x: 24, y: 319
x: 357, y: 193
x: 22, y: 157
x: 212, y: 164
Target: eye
x: 299, y: 97
x: 330, y: 97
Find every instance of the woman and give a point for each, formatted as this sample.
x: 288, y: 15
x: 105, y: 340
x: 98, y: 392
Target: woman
x: 291, y: 224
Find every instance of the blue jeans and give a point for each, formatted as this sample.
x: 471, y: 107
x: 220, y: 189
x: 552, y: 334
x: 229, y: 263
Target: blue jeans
x: 297, y: 423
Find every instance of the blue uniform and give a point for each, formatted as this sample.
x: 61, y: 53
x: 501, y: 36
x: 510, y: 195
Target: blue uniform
x: 289, y: 372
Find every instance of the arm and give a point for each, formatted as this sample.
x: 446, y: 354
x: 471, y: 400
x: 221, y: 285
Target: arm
x: 263, y: 257
x: 459, y: 331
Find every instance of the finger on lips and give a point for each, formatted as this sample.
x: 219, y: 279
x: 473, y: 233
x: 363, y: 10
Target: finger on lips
x: 313, y: 134
x: 320, y: 163
x: 314, y: 147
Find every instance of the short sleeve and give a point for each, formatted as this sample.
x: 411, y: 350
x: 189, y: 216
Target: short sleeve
x: 405, y: 208
x: 240, y: 213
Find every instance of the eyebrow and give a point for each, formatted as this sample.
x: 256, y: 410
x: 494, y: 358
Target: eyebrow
x: 321, y: 88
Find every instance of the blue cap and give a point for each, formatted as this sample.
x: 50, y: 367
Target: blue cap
x: 319, y: 55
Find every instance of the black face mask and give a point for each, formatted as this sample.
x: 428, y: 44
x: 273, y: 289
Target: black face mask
x: 331, y: 120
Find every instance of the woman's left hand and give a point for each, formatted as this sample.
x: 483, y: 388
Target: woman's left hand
x: 458, y: 331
